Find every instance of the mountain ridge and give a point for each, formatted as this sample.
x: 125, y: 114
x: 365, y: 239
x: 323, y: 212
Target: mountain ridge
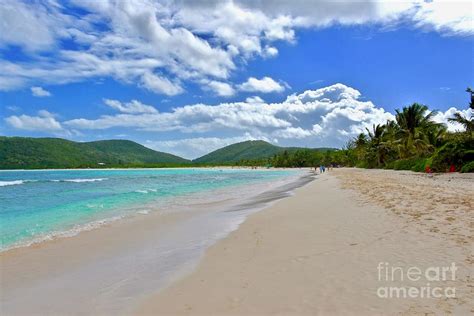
x: 48, y: 153
x: 247, y: 150
x: 34, y: 153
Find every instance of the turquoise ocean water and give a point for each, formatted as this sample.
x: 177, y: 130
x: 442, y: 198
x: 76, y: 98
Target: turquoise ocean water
x: 38, y: 205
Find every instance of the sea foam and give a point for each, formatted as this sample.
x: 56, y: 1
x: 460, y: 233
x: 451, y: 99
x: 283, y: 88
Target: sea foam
x: 14, y: 182
x: 62, y: 234
x: 83, y: 180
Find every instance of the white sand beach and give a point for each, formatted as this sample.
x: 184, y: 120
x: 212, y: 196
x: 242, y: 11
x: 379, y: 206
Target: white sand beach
x: 326, y: 249
x: 318, y: 252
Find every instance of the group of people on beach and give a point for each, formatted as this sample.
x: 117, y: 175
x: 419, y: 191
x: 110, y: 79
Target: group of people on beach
x: 322, y: 168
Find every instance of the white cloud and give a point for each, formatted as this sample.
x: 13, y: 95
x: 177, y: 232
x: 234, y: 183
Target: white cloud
x: 44, y: 122
x: 292, y: 133
x: 158, y: 84
x: 328, y: 94
x: 324, y: 117
x: 264, y: 85
x: 270, y: 51
x: 26, y: 27
x: 40, y: 92
x: 131, y: 107
x: 222, y: 89
x: 136, y: 42
x: 444, y: 16
x: 255, y: 99
x: 442, y: 117
x: 449, y: 17
x: 161, y: 45
x: 244, y: 30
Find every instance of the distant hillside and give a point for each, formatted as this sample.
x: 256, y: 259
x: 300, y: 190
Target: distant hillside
x: 248, y: 150
x: 25, y: 152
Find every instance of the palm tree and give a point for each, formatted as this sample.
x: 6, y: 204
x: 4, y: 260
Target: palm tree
x: 415, y: 122
x: 471, y: 104
x: 361, y: 143
x: 435, y: 136
x: 415, y: 117
x: 361, y: 140
x: 377, y: 149
x: 467, y: 123
x: 375, y: 136
x: 389, y: 147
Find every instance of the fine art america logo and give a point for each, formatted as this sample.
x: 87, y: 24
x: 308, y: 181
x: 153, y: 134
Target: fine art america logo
x: 416, y: 282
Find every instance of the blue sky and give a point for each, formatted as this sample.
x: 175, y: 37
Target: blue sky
x: 188, y: 79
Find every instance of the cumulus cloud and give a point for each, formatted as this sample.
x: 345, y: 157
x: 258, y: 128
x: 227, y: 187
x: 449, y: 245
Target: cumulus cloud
x: 447, y: 17
x: 44, y: 122
x: 442, y: 117
x: 255, y: 99
x: 264, y: 85
x: 131, y: 107
x: 40, y: 92
x: 161, y: 45
x: 158, y: 84
x: 270, y: 51
x: 322, y: 117
x: 222, y: 89
x: 292, y: 133
x: 328, y: 94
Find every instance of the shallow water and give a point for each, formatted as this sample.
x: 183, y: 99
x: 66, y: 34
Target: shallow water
x: 39, y: 205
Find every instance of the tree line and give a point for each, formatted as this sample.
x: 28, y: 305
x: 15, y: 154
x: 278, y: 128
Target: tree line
x: 412, y: 141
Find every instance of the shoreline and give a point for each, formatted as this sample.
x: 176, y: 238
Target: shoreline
x: 260, y: 168
x: 99, y: 223
x: 317, y: 252
x: 154, y: 249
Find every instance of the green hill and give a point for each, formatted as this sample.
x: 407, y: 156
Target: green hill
x: 30, y: 153
x: 252, y: 149
x: 248, y: 150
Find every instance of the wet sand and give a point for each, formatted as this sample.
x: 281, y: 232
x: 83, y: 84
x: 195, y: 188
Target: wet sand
x: 319, y: 251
